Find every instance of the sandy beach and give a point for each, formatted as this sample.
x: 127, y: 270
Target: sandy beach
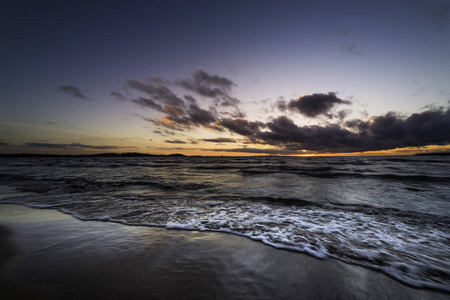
x: 49, y: 255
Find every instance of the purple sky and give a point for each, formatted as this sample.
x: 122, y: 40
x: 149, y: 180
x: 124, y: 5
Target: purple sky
x: 224, y: 77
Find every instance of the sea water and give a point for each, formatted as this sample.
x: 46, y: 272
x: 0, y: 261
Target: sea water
x: 391, y: 214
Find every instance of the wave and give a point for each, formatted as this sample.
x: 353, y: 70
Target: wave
x: 409, y: 246
x: 410, y: 250
x: 418, y: 159
x: 83, y: 185
x: 401, y: 228
x: 328, y: 173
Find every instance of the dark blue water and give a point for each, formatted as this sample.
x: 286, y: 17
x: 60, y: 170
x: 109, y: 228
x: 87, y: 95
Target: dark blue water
x: 386, y: 213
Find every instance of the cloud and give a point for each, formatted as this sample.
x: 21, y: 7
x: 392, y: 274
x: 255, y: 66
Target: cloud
x: 241, y: 126
x: 352, y: 49
x: 281, y: 134
x: 207, y: 85
x: 384, y: 132
x: 285, y: 133
x: 313, y: 105
x: 388, y: 131
x: 148, y: 103
x: 429, y: 127
x: 157, y: 90
x: 211, y: 86
x: 219, y: 140
x: 177, y: 148
x: 73, y: 91
x: 199, y: 116
x: 164, y: 132
x: 74, y: 145
x: 175, y: 141
x: 118, y: 96
x: 281, y: 105
x: 51, y: 123
x: 341, y: 115
x: 45, y: 145
x: 178, y: 119
x: 184, y: 112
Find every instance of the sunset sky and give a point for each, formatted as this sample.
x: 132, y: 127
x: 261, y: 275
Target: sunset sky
x: 225, y: 77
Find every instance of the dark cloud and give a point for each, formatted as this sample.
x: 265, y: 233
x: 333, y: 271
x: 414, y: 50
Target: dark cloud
x: 157, y: 90
x: 341, y: 115
x: 228, y: 102
x: 45, y: 145
x: 51, y: 123
x: 357, y: 125
x: 384, y: 132
x: 166, y: 123
x: 391, y: 126
x: 241, y: 126
x: 430, y: 127
x: 3, y: 144
x: 118, y: 96
x: 190, y: 99
x: 178, y: 119
x: 73, y: 91
x: 103, y: 147
x: 238, y: 114
x: 352, y: 49
x: 164, y: 132
x: 211, y: 86
x: 184, y: 112
x: 313, y: 105
x: 379, y: 133
x: 283, y: 132
x: 74, y: 145
x: 148, y: 103
x: 175, y: 141
x: 178, y: 148
x: 207, y: 85
x: 202, y: 77
x: 281, y: 105
x: 199, y: 116
x: 219, y: 140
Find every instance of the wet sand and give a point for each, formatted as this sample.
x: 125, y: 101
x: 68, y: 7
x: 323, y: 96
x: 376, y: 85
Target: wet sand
x: 48, y: 255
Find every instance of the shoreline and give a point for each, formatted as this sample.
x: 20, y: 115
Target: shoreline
x: 48, y: 254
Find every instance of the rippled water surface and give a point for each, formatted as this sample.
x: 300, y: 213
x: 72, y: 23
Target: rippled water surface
x: 386, y: 213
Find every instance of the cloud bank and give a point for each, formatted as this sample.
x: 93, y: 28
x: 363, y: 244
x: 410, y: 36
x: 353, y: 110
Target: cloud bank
x: 206, y: 102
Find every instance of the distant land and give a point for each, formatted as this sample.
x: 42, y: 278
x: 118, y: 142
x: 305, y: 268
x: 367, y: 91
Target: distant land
x: 433, y: 154
x: 129, y: 154
x: 135, y: 154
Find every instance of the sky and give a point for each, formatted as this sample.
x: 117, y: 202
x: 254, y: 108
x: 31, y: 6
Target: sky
x: 228, y: 77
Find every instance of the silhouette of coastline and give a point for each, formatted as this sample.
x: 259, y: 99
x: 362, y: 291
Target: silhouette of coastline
x: 128, y: 154
x: 433, y: 154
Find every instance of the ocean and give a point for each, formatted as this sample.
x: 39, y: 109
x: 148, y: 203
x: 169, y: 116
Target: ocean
x: 390, y: 214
